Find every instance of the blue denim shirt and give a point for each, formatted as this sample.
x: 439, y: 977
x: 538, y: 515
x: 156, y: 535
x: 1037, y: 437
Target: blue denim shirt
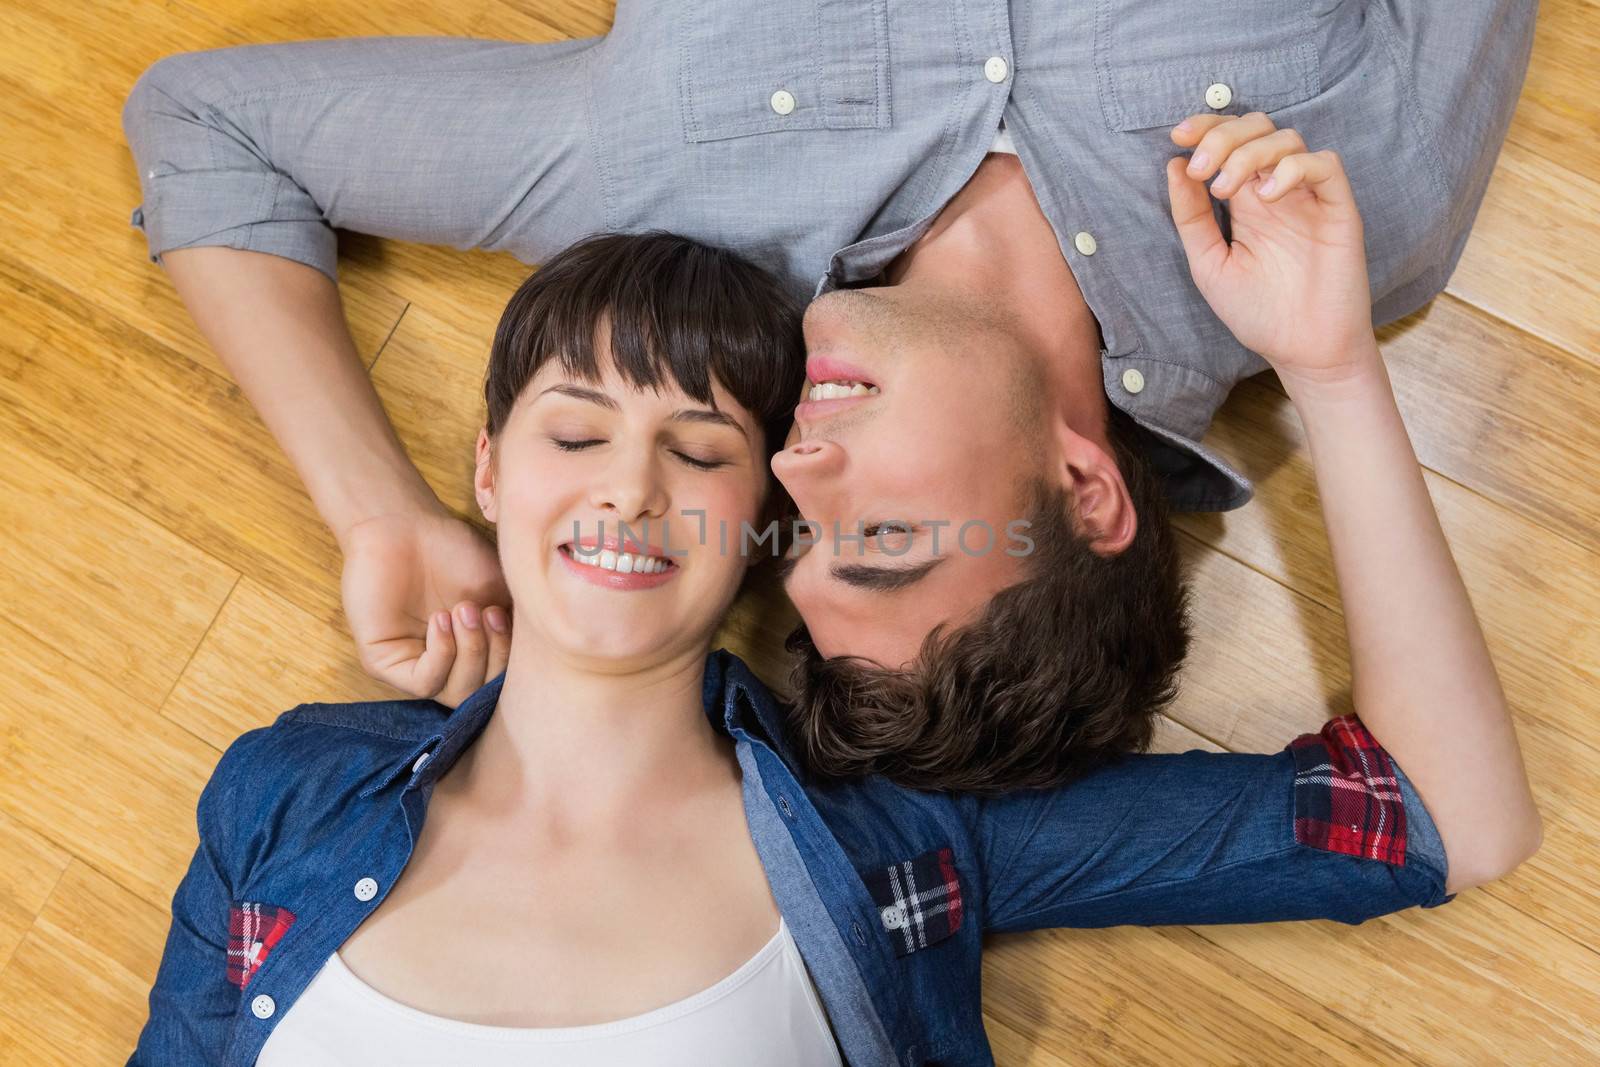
x: 306, y: 824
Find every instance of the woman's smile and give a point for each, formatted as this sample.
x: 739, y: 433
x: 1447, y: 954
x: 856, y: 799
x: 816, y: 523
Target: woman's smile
x: 608, y: 565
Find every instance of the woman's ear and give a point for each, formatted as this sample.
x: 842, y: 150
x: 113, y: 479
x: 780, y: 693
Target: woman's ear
x: 483, y: 476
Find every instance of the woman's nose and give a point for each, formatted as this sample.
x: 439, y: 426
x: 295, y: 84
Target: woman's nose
x: 632, y: 489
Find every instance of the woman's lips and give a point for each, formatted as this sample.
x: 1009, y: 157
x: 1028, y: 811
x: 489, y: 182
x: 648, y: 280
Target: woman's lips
x: 597, y: 575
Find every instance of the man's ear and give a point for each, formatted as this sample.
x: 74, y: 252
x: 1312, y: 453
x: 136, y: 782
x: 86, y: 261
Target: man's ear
x: 1102, y: 508
x: 483, y: 475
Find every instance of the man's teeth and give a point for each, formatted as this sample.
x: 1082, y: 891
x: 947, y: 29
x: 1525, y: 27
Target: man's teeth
x: 621, y: 562
x: 835, y: 390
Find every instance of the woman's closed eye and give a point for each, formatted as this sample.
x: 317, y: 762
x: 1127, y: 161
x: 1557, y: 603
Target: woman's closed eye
x: 697, y: 462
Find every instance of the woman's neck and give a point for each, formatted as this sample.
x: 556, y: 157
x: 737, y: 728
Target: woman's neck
x: 583, y: 746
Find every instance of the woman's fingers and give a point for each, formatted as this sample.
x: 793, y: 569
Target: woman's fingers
x: 1321, y: 172
x: 498, y: 622
x: 1253, y: 157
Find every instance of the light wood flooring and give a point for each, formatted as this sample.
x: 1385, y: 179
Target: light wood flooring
x: 165, y: 584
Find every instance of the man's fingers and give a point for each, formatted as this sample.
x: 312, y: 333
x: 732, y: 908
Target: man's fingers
x: 498, y: 622
x: 1253, y: 157
x: 1191, y: 214
x: 472, y: 654
x: 414, y: 666
x: 1222, y: 139
x: 1187, y: 133
x: 1321, y: 172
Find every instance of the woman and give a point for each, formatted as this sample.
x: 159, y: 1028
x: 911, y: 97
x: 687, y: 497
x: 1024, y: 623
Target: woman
x: 581, y: 887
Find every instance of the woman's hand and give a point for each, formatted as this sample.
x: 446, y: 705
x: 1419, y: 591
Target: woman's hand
x: 415, y: 589
x: 1292, y: 283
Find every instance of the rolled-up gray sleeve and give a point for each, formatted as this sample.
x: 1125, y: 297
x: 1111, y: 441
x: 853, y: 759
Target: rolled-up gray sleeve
x: 203, y: 180
x: 268, y: 148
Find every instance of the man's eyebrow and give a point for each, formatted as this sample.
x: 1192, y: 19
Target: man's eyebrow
x: 882, y: 579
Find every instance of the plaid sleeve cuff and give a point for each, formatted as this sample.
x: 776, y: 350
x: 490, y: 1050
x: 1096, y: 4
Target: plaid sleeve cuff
x: 1347, y: 794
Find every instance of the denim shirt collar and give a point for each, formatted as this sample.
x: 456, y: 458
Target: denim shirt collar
x: 735, y: 701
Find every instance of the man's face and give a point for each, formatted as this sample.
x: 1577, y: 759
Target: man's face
x: 945, y: 437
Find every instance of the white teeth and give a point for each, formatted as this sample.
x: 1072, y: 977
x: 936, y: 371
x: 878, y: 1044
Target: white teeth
x: 621, y: 562
x: 836, y: 390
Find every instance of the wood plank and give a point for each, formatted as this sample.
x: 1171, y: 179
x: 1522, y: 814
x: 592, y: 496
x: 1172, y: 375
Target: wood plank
x: 98, y: 581
x: 171, y: 440
x: 1160, y: 996
x: 261, y: 658
x: 86, y: 980
x: 1532, y: 258
x: 1474, y: 982
x: 1502, y: 412
x: 1537, y: 595
x: 30, y: 867
x: 62, y: 123
x: 20, y: 1043
x: 1558, y: 114
x: 102, y: 776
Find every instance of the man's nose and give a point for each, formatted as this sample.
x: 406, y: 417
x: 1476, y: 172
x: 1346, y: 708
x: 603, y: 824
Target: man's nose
x: 810, y: 470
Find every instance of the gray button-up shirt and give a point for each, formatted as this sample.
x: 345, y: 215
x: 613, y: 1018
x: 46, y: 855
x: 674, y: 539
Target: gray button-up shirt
x: 821, y: 138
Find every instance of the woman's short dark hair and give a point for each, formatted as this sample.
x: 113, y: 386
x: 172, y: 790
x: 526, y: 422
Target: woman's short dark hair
x: 678, y: 311
x: 1063, y: 671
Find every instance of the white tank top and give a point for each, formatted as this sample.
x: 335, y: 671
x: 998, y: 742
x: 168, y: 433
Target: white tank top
x: 766, y: 1013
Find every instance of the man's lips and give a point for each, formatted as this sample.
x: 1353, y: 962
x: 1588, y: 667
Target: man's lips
x: 820, y: 368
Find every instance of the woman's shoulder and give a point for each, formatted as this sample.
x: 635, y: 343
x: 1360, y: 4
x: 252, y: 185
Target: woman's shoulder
x: 317, y: 754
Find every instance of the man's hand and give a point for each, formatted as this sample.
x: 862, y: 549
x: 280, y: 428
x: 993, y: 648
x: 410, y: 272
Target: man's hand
x: 427, y: 603
x: 1292, y: 284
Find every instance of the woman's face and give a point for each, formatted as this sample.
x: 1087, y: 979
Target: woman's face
x: 608, y: 502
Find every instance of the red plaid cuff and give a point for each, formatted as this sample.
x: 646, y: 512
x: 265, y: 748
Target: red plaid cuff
x: 919, y: 900
x: 253, y: 930
x: 1346, y: 793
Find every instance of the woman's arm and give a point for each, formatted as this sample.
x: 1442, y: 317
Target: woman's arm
x: 1292, y: 286
x: 192, y: 1003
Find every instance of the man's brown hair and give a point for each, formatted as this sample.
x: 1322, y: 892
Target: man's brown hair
x: 1063, y: 671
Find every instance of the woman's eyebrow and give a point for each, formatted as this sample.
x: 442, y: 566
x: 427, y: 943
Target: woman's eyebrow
x: 718, y: 418
x: 595, y: 396
x: 578, y: 392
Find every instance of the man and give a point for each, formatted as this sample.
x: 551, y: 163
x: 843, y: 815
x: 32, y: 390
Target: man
x: 1024, y: 327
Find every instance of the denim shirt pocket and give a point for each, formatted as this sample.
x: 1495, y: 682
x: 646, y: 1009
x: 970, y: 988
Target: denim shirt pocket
x: 770, y: 68
x: 919, y: 900
x: 254, y: 930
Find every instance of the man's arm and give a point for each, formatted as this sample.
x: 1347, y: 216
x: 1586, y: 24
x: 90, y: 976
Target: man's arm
x: 1292, y: 286
x: 414, y: 575
x: 248, y: 158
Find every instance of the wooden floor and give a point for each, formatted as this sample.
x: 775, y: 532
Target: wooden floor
x: 164, y: 583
